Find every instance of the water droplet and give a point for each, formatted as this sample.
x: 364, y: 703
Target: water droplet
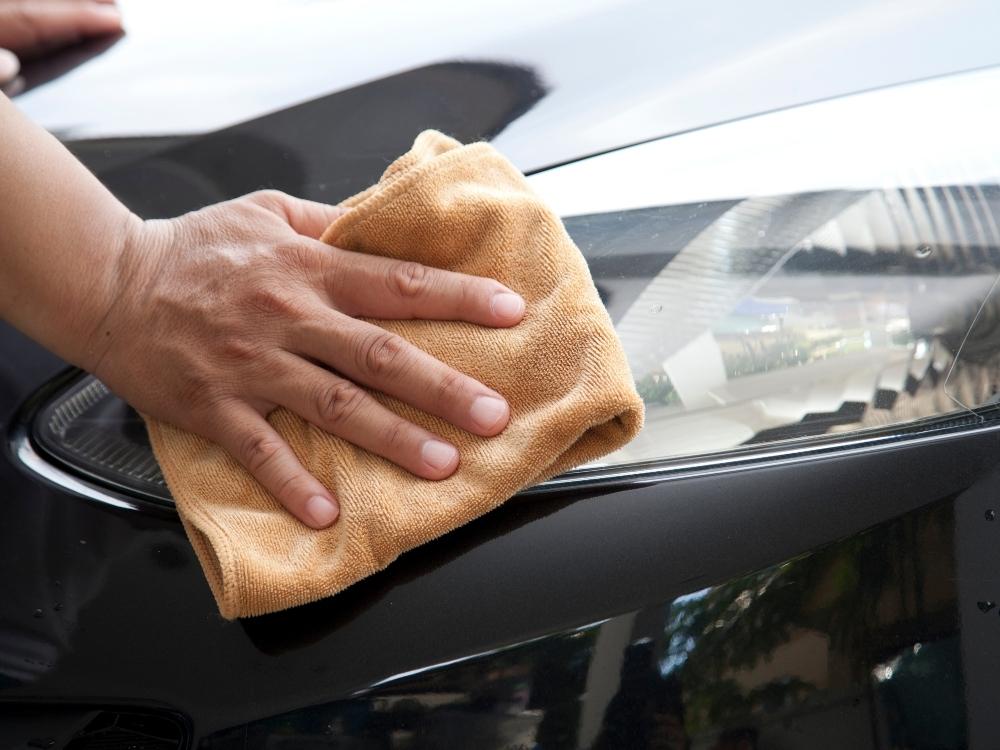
x: 924, y: 250
x: 37, y: 614
x: 985, y: 606
x: 83, y: 541
x: 42, y: 742
x: 656, y: 309
x: 991, y: 515
x: 761, y: 233
x: 57, y: 606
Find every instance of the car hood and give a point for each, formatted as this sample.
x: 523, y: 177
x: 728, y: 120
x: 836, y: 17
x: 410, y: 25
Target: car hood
x: 584, y: 77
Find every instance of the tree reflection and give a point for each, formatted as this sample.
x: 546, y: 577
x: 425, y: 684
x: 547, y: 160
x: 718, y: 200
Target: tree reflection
x: 810, y: 630
x: 851, y: 646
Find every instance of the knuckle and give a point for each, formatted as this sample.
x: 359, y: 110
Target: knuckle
x: 286, y: 487
x: 267, y: 197
x: 380, y: 353
x: 338, y: 402
x: 474, y: 292
x: 409, y: 279
x: 272, y: 202
x: 450, y: 387
x: 396, y: 436
x: 258, y: 449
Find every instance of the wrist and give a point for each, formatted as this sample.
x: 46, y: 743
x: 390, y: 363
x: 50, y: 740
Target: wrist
x: 130, y: 245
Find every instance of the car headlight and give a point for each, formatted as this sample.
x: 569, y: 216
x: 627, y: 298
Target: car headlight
x: 821, y: 270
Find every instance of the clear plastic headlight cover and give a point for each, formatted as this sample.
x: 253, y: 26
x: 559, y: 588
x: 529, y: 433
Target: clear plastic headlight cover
x: 822, y: 270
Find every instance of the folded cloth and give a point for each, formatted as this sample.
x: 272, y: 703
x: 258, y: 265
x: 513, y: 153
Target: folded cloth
x: 562, y: 370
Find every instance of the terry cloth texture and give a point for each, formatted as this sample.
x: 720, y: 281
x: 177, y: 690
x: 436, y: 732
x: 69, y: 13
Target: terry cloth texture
x: 562, y: 369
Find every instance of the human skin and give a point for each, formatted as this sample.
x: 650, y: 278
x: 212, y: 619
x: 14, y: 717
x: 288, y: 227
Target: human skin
x: 213, y: 319
x: 30, y: 28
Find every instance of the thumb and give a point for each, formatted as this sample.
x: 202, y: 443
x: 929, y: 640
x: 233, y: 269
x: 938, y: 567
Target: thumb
x: 307, y: 218
x: 311, y: 219
x: 10, y: 66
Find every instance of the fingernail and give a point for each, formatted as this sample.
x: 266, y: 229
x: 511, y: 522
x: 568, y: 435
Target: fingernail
x: 487, y: 412
x: 507, y: 305
x: 9, y: 65
x: 322, y: 510
x: 438, y: 455
x: 109, y: 11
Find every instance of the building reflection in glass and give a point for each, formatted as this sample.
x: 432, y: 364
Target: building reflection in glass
x: 854, y: 645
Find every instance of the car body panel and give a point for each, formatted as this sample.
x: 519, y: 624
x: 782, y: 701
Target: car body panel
x: 103, y: 604
x: 573, y: 592
x: 614, y: 72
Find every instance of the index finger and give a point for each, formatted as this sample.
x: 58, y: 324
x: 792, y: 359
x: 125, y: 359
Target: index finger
x: 389, y: 289
x: 42, y: 25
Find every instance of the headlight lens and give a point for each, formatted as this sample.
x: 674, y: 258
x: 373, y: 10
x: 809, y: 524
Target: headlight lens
x: 804, y: 315
x: 825, y: 269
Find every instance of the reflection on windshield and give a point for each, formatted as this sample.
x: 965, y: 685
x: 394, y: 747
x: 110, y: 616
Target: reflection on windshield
x: 793, y: 316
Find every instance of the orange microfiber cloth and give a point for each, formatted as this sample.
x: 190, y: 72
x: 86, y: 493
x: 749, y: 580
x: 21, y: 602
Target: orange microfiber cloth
x: 562, y: 369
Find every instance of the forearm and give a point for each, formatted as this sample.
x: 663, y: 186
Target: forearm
x: 62, y: 235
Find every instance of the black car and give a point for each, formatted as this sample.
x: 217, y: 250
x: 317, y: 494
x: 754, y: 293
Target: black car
x: 792, y: 213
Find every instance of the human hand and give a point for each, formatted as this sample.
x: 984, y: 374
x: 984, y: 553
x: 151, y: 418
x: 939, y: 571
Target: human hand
x: 30, y: 28
x: 222, y: 315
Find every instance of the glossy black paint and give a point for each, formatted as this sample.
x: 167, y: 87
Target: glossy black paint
x: 106, y: 606
x: 105, y: 609
x: 326, y: 149
x: 855, y: 645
